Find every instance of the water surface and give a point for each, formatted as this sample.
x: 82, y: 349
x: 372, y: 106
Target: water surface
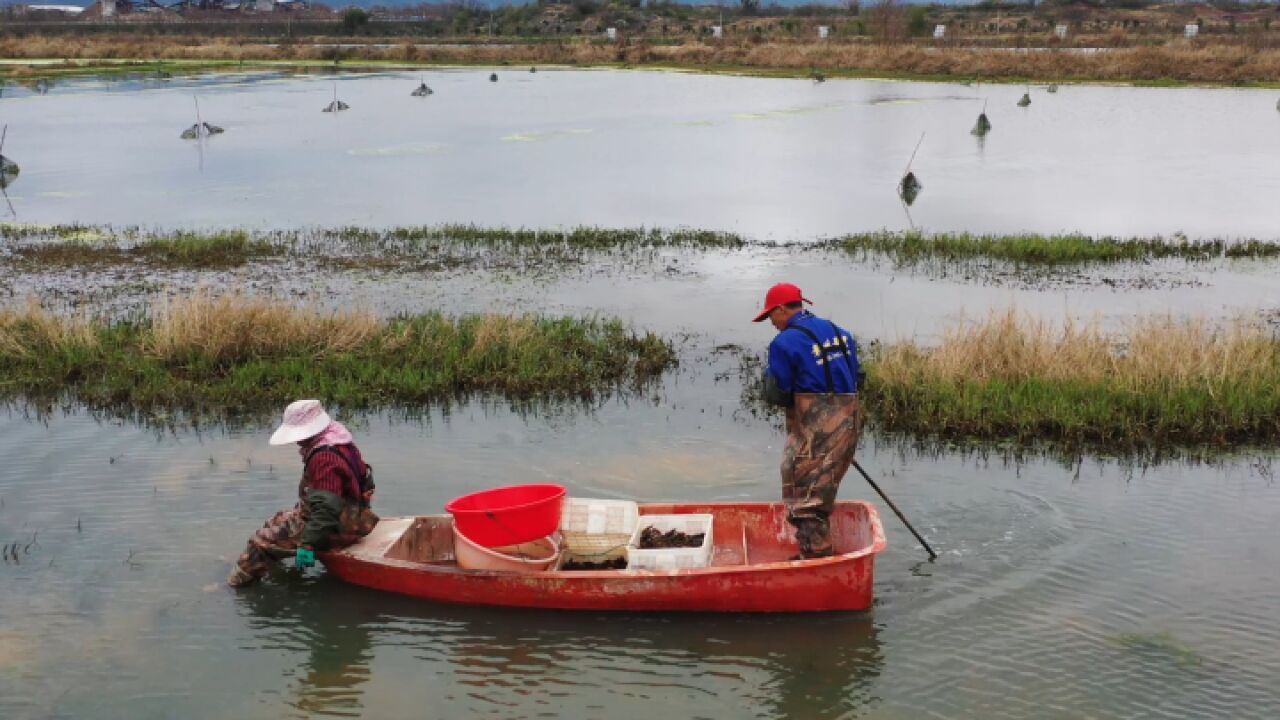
x: 1091, y: 589
x: 784, y: 159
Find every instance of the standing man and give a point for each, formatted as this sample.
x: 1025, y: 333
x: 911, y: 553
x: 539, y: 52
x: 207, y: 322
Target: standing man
x: 813, y: 372
x: 334, y: 495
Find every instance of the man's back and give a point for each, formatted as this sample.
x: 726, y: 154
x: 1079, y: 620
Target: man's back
x: 801, y: 355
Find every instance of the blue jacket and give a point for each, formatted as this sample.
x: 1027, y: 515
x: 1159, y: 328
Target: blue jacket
x: 796, y: 362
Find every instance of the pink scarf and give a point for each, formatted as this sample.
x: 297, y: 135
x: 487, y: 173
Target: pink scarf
x: 334, y: 434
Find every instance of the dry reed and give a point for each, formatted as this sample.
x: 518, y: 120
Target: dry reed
x: 208, y: 353
x: 1172, y: 62
x: 1010, y: 376
x: 234, y: 327
x: 32, y: 332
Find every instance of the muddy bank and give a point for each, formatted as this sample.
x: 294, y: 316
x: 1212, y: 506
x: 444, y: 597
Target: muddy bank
x: 1162, y: 64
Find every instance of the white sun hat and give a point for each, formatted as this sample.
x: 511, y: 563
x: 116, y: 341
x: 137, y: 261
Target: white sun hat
x: 302, y: 420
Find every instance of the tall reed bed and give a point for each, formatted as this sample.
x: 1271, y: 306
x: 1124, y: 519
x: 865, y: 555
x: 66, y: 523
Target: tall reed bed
x: 205, y: 353
x: 1011, y: 377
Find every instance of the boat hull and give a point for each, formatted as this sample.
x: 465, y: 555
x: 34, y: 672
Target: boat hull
x: 750, y: 570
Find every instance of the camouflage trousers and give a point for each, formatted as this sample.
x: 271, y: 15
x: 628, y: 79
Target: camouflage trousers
x: 822, y: 434
x: 278, y: 539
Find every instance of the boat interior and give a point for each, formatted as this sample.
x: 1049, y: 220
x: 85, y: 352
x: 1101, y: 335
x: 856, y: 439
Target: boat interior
x: 742, y: 534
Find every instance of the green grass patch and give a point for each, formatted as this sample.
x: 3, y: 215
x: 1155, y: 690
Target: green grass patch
x: 204, y: 355
x: 74, y: 245
x: 442, y: 246
x: 909, y: 248
x: 1006, y: 378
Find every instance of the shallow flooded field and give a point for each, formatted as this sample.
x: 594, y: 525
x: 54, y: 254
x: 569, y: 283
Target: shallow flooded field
x: 769, y: 158
x: 1101, y: 591
x: 1093, y: 587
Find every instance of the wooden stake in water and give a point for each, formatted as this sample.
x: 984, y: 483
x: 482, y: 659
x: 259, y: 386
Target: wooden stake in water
x: 913, y: 154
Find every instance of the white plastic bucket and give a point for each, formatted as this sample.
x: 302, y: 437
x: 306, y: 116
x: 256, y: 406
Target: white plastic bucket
x: 533, y: 556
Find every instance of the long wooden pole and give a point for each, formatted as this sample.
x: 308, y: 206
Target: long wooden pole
x: 932, y: 555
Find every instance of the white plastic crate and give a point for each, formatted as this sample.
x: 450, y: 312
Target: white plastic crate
x: 672, y: 558
x: 596, y: 530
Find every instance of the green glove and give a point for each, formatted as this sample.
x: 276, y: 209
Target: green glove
x: 304, y: 558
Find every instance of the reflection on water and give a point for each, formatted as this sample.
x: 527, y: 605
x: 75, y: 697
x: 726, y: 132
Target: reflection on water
x: 510, y: 662
x: 768, y: 158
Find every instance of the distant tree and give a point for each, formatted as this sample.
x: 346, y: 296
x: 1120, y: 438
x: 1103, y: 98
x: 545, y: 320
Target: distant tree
x: 353, y: 19
x: 917, y: 21
x: 749, y: 7
x: 888, y: 20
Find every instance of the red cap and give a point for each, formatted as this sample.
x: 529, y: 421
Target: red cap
x: 780, y: 294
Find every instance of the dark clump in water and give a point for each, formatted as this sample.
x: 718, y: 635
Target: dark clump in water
x: 493, y: 77
x: 533, y: 69
x: 982, y: 127
x: 336, y: 106
x: 422, y: 91
x: 909, y: 188
x: 1025, y: 101
x: 618, y: 563
x: 1052, y: 89
x: 8, y: 171
x: 651, y: 538
x: 201, y: 129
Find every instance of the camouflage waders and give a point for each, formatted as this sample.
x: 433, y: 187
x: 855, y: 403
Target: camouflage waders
x: 278, y: 538
x: 822, y: 434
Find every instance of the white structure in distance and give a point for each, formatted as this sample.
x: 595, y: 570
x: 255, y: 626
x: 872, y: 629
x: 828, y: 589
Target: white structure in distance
x: 612, y: 33
x: 823, y: 32
x: 1191, y: 30
x: 1061, y: 31
x: 939, y: 32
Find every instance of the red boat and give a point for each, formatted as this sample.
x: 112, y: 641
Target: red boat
x: 750, y: 569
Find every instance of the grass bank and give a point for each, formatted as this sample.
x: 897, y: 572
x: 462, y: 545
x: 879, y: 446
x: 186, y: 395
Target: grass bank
x: 1011, y: 378
x: 1166, y: 64
x: 210, y: 355
x: 908, y: 248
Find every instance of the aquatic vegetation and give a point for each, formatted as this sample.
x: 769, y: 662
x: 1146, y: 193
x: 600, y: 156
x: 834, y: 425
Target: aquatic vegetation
x: 203, y: 353
x: 77, y: 245
x: 69, y: 245
x: 1014, y: 378
x: 1162, y: 644
x: 907, y: 248
x: 1025, y: 100
x: 422, y: 91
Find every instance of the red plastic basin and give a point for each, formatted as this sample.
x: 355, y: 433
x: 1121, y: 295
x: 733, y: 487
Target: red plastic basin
x: 508, y: 515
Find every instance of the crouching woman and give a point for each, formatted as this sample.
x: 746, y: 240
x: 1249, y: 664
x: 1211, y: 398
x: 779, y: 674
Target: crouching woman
x: 333, y: 496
